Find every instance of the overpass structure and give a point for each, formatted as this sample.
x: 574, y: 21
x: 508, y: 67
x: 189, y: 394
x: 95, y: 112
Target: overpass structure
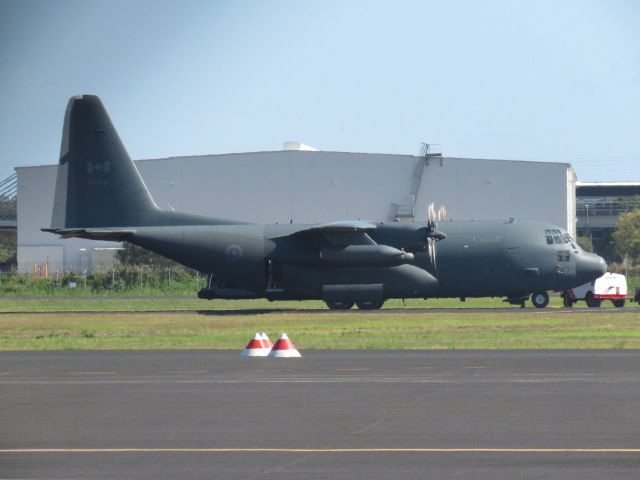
x: 598, y: 207
x: 8, y: 202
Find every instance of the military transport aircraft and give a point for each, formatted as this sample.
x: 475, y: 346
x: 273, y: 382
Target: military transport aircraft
x: 101, y: 196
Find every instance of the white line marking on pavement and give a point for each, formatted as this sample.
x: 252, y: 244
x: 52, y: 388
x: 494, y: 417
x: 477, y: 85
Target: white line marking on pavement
x: 340, y: 380
x: 92, y: 373
x: 321, y: 450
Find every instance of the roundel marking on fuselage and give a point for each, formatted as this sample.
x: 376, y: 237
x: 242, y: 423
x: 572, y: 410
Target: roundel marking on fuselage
x: 233, y: 252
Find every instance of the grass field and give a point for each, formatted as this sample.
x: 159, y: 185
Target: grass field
x: 111, y: 303
x: 202, y: 329
x: 115, y: 303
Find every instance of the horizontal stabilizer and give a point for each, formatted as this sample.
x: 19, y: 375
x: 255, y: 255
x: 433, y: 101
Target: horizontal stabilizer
x: 112, y: 235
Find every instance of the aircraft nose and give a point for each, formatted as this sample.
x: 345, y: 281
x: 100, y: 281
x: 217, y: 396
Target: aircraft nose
x: 590, y: 266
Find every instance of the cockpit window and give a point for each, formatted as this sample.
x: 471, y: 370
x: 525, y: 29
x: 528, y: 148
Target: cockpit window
x: 554, y: 236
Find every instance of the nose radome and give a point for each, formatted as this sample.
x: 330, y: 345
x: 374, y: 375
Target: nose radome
x: 603, y: 266
x: 590, y: 266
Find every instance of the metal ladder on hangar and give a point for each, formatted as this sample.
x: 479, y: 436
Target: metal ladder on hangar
x: 406, y: 211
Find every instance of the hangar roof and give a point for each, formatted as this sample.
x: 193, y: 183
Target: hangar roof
x: 316, y: 152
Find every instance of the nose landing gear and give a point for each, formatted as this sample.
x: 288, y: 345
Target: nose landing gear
x: 540, y: 299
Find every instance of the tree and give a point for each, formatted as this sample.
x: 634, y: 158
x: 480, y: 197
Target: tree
x: 585, y: 243
x: 627, y: 236
x: 8, y: 249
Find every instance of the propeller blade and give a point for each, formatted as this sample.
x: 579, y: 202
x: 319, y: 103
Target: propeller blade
x: 431, y: 213
x: 431, y: 247
x: 433, y: 235
x: 434, y: 256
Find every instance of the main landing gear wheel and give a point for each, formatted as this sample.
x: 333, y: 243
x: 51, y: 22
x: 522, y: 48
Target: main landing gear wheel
x: 540, y: 299
x: 369, y: 304
x: 592, y: 302
x: 339, y: 305
x: 618, y: 303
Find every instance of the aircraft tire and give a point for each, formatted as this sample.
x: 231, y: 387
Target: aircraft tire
x: 369, y: 304
x: 540, y: 299
x: 592, y: 302
x: 618, y: 303
x: 339, y: 305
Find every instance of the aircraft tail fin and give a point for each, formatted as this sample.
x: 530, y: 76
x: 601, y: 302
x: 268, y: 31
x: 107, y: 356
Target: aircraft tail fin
x: 97, y: 185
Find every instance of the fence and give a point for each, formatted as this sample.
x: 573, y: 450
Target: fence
x: 139, y: 279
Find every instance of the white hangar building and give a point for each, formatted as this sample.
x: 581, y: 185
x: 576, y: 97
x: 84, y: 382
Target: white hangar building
x: 305, y: 186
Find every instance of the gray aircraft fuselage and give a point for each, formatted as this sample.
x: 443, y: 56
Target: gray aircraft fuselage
x: 477, y: 259
x: 100, y: 195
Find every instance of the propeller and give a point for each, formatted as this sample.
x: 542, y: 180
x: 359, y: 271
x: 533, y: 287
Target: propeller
x: 432, y: 233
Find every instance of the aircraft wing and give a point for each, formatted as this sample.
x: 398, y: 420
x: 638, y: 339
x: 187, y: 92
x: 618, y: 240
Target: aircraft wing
x: 109, y: 234
x: 352, y: 232
x: 343, y: 226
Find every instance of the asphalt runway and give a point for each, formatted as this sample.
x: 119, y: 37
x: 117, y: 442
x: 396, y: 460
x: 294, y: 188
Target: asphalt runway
x: 330, y: 415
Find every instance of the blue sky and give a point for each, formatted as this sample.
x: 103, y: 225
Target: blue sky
x: 537, y: 80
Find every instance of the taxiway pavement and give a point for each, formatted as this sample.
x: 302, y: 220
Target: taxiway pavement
x: 331, y: 414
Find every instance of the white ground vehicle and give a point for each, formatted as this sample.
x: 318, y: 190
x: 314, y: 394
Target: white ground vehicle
x: 610, y: 286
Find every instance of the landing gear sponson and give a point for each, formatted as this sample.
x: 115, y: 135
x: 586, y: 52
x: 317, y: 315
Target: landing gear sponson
x: 347, y: 304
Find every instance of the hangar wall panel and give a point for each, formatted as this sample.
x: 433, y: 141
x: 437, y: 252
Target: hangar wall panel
x: 307, y: 187
x: 41, y: 260
x: 476, y: 189
x: 36, y: 186
x: 269, y: 187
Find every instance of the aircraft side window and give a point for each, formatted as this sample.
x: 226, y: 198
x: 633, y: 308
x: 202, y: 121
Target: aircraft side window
x: 549, y: 238
x: 562, y: 256
x: 552, y: 236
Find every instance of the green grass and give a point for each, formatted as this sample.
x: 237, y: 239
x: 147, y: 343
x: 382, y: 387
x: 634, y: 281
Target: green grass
x: 114, y: 303
x: 123, y: 303
x: 533, y: 329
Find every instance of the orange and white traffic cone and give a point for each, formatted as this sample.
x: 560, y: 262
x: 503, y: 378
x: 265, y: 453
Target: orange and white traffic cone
x: 266, y: 341
x: 283, y: 348
x: 255, y: 348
